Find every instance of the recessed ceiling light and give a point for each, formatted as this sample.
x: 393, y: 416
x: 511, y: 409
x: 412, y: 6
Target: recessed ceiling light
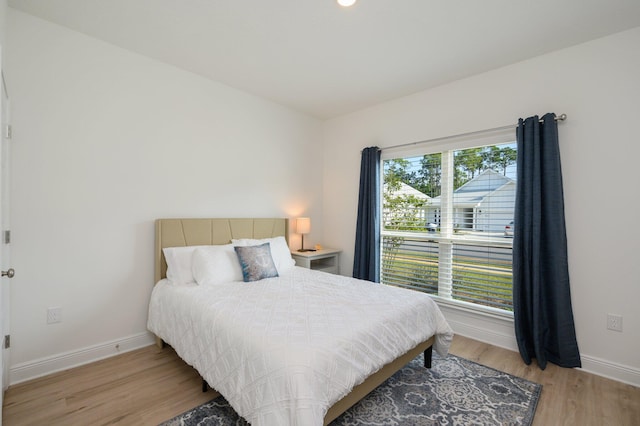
x: 346, y: 3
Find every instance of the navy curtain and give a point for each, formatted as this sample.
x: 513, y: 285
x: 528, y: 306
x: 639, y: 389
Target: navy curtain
x: 366, y: 262
x: 541, y: 296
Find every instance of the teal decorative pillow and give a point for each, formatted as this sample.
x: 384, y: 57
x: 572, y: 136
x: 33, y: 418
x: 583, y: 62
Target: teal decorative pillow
x: 256, y: 262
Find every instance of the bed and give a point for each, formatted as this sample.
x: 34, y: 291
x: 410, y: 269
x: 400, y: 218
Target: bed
x: 300, y: 348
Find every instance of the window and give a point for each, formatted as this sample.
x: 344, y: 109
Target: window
x: 447, y: 221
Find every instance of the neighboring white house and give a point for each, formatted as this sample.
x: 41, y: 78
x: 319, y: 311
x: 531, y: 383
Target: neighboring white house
x: 485, y: 203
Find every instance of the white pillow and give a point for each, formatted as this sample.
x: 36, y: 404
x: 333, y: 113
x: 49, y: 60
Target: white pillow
x: 216, y: 265
x: 179, y: 264
x: 279, y: 251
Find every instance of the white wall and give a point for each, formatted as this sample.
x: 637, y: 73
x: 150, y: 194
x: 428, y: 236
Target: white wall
x: 596, y: 84
x: 3, y: 21
x: 106, y: 141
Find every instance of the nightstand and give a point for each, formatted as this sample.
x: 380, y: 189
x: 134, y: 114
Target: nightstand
x: 326, y: 260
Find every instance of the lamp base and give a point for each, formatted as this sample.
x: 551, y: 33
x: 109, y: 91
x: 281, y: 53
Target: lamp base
x: 302, y: 249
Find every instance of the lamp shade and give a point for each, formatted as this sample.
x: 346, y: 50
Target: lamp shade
x: 303, y: 225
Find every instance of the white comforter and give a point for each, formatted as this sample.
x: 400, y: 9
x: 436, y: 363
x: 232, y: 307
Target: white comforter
x: 283, y: 350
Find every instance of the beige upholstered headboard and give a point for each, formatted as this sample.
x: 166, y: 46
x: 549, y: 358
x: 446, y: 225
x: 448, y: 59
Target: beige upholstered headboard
x: 193, y: 232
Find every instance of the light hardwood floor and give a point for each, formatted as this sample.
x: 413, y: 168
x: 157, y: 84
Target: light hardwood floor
x: 150, y: 385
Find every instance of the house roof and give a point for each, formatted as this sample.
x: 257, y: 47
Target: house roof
x: 409, y: 190
x: 477, y: 189
x: 487, y: 181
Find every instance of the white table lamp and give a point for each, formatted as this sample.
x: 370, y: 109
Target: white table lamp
x: 303, y: 226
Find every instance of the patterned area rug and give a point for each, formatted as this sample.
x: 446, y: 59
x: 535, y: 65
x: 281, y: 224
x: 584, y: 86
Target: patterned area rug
x: 454, y: 392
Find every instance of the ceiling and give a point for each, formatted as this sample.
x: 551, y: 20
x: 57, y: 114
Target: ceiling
x: 325, y: 60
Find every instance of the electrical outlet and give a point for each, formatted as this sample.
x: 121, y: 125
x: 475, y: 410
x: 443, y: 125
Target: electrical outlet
x: 54, y: 315
x: 614, y: 322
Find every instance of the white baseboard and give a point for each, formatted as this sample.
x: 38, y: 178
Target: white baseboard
x: 499, y: 332
x: 610, y: 370
x: 64, y: 361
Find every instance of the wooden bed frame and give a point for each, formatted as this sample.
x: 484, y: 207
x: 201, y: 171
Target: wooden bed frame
x: 189, y: 232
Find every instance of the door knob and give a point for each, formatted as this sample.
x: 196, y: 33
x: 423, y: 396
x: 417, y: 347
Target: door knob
x: 9, y: 273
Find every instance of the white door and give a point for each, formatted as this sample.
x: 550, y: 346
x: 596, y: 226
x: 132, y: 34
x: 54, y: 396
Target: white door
x: 5, y: 258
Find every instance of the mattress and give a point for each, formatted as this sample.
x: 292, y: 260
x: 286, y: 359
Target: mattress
x: 283, y: 350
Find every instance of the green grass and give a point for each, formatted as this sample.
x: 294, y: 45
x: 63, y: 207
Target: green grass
x: 481, y: 282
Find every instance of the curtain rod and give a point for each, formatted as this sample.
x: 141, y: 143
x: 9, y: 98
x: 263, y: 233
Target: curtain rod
x: 560, y: 117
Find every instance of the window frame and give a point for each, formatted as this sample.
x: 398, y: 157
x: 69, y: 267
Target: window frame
x: 447, y: 146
